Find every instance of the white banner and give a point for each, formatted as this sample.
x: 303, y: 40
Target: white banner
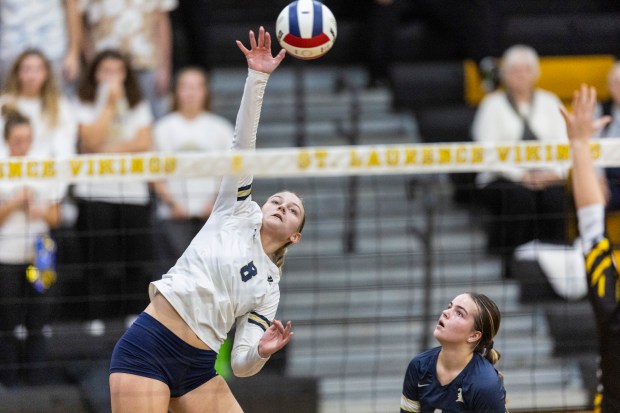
x: 305, y: 162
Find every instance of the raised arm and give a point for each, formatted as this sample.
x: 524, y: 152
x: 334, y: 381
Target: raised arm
x: 580, y: 126
x: 261, y: 64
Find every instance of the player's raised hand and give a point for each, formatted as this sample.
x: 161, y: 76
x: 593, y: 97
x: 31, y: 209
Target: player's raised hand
x: 276, y: 337
x: 259, y: 56
x: 580, y: 124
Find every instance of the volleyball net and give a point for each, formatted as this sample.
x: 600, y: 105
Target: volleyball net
x: 384, y: 249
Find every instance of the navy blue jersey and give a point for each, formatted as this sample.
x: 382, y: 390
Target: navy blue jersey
x: 478, y: 388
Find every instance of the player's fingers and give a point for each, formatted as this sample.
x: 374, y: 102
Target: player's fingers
x: 267, y: 41
x: 242, y: 47
x: 280, y: 56
x: 600, y: 123
x: 279, y: 326
x: 261, y: 36
x: 252, y: 40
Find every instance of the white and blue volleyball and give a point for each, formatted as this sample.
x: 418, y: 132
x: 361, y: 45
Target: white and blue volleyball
x: 306, y: 29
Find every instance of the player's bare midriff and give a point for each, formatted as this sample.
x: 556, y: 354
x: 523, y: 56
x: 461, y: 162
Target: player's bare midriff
x: 161, y: 310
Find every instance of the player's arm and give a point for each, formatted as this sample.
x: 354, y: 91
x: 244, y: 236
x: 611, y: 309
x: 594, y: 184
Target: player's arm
x: 590, y: 200
x: 260, y: 65
x: 409, y: 399
x: 580, y: 126
x: 257, y: 337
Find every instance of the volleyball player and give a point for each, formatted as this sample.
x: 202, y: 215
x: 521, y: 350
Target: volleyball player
x: 602, y: 273
x: 458, y: 376
x: 229, y: 272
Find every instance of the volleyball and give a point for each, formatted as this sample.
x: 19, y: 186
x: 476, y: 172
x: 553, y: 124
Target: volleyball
x: 306, y: 29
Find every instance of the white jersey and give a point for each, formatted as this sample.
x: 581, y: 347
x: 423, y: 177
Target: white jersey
x: 224, y: 275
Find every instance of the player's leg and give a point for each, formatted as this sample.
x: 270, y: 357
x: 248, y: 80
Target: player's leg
x: 212, y: 397
x: 136, y: 394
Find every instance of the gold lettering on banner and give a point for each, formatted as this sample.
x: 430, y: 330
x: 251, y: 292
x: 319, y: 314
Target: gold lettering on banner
x: 137, y: 166
x: 460, y: 155
x: 306, y: 159
x: 563, y: 152
x: 477, y: 154
x: 532, y: 153
x: 105, y: 167
x: 392, y: 156
x: 123, y: 165
x: 49, y: 169
x: 445, y: 155
x: 154, y: 165
x: 170, y: 164
x: 15, y: 169
x: 31, y: 169
x: 76, y: 166
x: 355, y: 160
x: 237, y: 163
x: 427, y: 156
x: 373, y: 159
x: 407, y: 156
x: 502, y: 153
x: 595, y: 150
x: 303, y: 160
x: 548, y: 153
x: 410, y: 156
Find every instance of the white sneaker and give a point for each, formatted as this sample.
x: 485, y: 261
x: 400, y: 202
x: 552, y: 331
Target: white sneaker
x: 95, y: 328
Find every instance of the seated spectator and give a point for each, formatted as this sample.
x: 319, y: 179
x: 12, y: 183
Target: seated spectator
x: 31, y: 88
x: 611, y: 108
x: 114, y: 218
x: 27, y: 213
x: 526, y: 204
x: 185, y: 205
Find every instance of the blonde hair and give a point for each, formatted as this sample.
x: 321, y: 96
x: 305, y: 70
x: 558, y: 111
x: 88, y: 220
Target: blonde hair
x: 520, y: 53
x: 49, y: 94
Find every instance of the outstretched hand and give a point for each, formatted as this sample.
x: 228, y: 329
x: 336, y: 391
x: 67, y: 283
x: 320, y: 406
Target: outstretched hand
x: 259, y: 56
x: 580, y: 124
x: 276, y: 337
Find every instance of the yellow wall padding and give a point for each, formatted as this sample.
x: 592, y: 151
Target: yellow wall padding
x: 559, y: 74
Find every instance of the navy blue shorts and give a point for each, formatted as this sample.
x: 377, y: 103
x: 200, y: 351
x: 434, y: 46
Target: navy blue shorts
x: 149, y: 349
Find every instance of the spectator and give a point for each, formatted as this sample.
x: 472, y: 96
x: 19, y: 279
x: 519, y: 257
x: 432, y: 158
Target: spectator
x: 527, y: 204
x: 27, y: 213
x: 31, y: 89
x: 114, y: 217
x: 25, y: 24
x: 185, y: 205
x: 141, y: 31
x: 611, y: 108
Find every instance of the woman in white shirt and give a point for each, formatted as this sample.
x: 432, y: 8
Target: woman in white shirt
x: 527, y: 204
x: 32, y: 89
x: 114, y: 218
x: 27, y: 213
x: 185, y: 204
x: 229, y: 273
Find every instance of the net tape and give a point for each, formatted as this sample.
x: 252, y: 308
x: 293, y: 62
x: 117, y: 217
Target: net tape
x: 306, y: 162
